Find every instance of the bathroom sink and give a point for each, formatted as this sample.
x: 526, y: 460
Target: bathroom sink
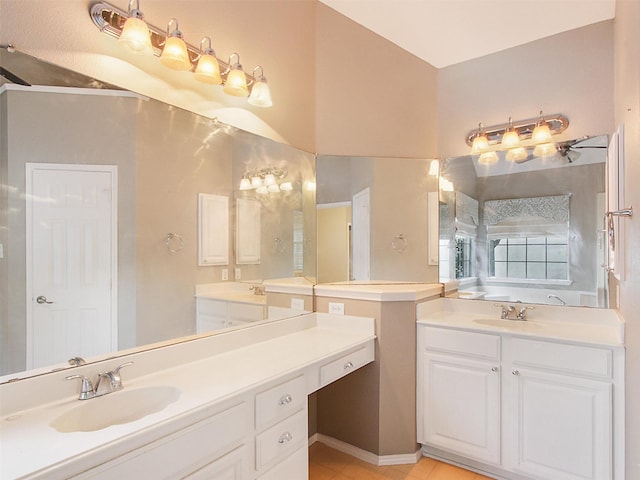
x: 509, y: 324
x: 115, y: 408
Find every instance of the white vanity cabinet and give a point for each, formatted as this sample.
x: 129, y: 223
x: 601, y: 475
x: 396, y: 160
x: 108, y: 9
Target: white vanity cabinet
x: 558, y: 410
x: 541, y: 409
x: 214, y: 314
x: 459, y: 392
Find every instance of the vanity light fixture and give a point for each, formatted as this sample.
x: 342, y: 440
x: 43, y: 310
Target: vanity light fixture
x: 265, y: 180
x: 207, y: 69
x: 515, y: 137
x: 245, y: 184
x: 134, y: 33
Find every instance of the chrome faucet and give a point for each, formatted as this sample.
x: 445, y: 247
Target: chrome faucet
x: 562, y: 302
x: 510, y: 312
x: 257, y: 289
x: 106, y: 383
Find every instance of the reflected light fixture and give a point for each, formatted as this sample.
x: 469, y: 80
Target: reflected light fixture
x: 174, y: 54
x: 245, y: 184
x: 545, y: 150
x: 135, y: 35
x: 517, y: 154
x: 207, y: 69
x: 286, y: 186
x: 480, y: 141
x: 260, y: 94
x: 487, y: 158
x: 236, y: 83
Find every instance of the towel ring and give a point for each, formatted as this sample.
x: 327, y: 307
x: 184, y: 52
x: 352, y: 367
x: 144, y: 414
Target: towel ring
x: 174, y: 243
x: 399, y: 243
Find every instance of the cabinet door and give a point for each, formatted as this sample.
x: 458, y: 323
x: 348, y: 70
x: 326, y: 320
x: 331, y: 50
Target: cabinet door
x: 557, y: 426
x: 296, y: 466
x: 460, y: 406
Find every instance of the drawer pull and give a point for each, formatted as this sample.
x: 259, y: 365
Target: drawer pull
x: 494, y: 369
x: 515, y: 372
x: 348, y: 365
x: 285, y: 400
x: 285, y: 438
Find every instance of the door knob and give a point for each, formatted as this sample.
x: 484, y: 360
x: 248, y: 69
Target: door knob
x: 42, y: 299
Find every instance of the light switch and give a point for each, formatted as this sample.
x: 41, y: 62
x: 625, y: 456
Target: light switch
x: 225, y: 274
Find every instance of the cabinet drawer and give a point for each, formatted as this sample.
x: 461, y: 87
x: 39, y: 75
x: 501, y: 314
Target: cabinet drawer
x: 209, y: 306
x: 295, y: 466
x: 344, y: 365
x: 576, y: 359
x: 280, y: 401
x: 479, y: 345
x: 281, y: 440
x: 230, y: 467
x: 182, y: 452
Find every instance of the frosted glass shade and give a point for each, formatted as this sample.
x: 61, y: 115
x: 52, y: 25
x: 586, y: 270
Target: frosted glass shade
x: 260, y: 94
x: 510, y: 139
x: 480, y: 143
x: 273, y: 188
x: 135, y: 36
x: 541, y: 134
x: 286, y: 186
x: 488, y: 158
x: 245, y: 184
x: 544, y: 150
x: 236, y: 83
x: 174, y: 54
x: 208, y: 70
x: 517, y: 154
x: 269, y: 179
x: 256, y: 182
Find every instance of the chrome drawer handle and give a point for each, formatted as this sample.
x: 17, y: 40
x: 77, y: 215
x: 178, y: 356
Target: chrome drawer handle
x: 348, y: 365
x: 285, y: 438
x: 494, y: 369
x: 287, y: 399
x: 515, y: 372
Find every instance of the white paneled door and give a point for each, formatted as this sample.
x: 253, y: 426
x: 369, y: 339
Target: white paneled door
x: 361, y: 235
x: 71, y: 251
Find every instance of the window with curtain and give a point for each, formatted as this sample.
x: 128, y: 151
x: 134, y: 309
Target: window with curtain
x: 528, y: 238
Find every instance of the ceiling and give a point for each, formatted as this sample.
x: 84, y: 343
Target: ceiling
x: 446, y: 32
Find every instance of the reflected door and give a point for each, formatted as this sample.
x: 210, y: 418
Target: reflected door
x: 71, y: 262
x: 361, y: 235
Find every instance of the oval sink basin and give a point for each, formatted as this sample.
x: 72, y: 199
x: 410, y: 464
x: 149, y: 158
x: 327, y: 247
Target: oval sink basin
x: 509, y: 324
x: 115, y: 409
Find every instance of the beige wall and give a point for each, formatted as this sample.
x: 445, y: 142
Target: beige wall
x: 333, y: 244
x: 372, y: 98
x: 627, y: 112
x: 569, y: 73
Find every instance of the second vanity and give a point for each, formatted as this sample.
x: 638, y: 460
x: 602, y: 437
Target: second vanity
x: 535, y: 399
x: 229, y: 406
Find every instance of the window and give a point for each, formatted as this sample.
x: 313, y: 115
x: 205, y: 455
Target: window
x: 464, y: 256
x: 539, y: 258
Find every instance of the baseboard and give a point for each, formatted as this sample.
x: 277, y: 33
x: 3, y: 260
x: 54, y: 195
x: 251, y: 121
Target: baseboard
x: 364, y: 455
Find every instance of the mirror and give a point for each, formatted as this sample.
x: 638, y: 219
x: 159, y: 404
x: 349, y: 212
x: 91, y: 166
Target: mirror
x: 373, y: 220
x: 106, y: 191
x: 529, y: 231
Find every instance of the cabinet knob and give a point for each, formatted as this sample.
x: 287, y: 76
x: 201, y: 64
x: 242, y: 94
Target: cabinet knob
x: 494, y: 369
x: 348, y: 365
x: 285, y: 437
x: 285, y: 400
x: 515, y: 372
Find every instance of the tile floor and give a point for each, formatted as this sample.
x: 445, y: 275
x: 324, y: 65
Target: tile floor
x: 326, y: 463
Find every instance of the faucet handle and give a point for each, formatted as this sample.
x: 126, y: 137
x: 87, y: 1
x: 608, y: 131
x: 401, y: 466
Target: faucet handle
x: 86, y: 387
x: 114, y: 376
x: 117, y: 369
x: 505, y: 310
x: 522, y: 313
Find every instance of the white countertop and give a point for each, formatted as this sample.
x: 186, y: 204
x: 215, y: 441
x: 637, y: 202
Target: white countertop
x: 574, y: 324
x: 231, y: 292
x: 379, y: 291
x: 29, y: 444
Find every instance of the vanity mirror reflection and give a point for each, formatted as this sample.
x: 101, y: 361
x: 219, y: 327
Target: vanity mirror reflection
x: 374, y: 219
x: 528, y: 230
x: 147, y: 188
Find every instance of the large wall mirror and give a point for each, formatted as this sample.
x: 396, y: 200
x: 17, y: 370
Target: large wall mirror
x: 376, y: 219
x: 530, y: 230
x: 116, y: 210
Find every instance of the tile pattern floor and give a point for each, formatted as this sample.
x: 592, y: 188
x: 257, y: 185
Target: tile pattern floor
x: 326, y: 463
